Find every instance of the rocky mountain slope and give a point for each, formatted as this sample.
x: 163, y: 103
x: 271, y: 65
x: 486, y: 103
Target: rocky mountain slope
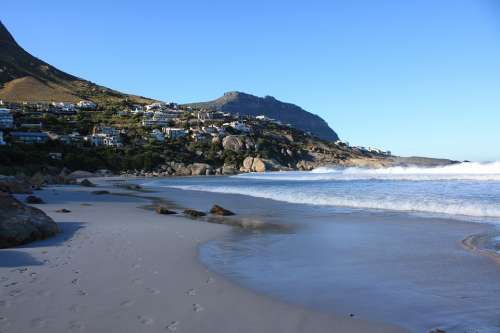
x: 24, y: 77
x: 287, y: 113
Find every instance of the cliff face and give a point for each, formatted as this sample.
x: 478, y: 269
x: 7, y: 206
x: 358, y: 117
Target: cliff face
x: 246, y: 104
x: 24, y: 77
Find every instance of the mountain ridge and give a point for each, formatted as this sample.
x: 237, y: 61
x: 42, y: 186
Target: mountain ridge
x: 24, y: 77
x: 250, y: 105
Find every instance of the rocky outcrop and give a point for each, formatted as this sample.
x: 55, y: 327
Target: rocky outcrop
x: 31, y: 199
x: 14, y: 185
x: 229, y: 169
x: 200, y: 169
x: 21, y: 224
x: 81, y: 174
x: 87, y: 183
x: 238, y: 143
x: 218, y: 210
x: 257, y: 164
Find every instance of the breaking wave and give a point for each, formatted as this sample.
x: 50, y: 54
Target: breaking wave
x: 460, y: 171
x: 402, y: 203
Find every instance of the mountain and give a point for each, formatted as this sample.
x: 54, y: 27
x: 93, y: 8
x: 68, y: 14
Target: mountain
x: 246, y: 104
x: 24, y: 77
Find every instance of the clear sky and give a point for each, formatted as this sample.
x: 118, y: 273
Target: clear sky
x: 417, y: 77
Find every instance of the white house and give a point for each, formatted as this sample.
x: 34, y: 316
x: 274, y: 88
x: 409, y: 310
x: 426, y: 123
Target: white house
x: 94, y: 139
x: 65, y: 107
x: 6, y: 118
x: 112, y: 141
x: 174, y: 133
x: 237, y: 125
x: 157, y: 135
x: 87, y: 105
x: 155, y: 106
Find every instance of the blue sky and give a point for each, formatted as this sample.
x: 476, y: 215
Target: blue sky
x: 417, y: 77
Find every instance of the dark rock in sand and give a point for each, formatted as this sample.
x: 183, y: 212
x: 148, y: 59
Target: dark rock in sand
x: 101, y: 192
x: 21, y: 224
x: 14, y: 185
x: 31, y: 199
x: 194, y: 213
x: 64, y: 210
x: 87, y: 183
x: 134, y: 187
x: 218, y: 210
x: 164, y: 211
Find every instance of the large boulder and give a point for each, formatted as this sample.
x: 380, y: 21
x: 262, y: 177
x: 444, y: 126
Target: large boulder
x: 199, y: 169
x: 104, y: 173
x: 21, y: 224
x: 14, y: 185
x: 81, y: 174
x: 247, y: 164
x: 228, y: 169
x: 238, y: 143
x: 87, y: 183
x: 257, y: 164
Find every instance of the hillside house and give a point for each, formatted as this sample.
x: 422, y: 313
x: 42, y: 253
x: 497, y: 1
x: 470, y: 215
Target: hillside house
x: 157, y: 135
x: 155, y: 106
x: 204, y: 116
x: 174, y: 133
x: 63, y: 108
x: 29, y: 137
x: 6, y: 118
x: 239, y: 126
x: 86, y: 105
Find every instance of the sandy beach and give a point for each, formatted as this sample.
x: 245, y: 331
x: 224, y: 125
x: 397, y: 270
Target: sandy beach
x: 116, y: 267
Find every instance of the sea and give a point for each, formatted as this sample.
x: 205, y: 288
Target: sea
x: 377, y: 244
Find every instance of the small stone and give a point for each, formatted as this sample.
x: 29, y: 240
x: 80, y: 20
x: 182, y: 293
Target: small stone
x: 218, y: 210
x: 164, y: 211
x: 194, y: 213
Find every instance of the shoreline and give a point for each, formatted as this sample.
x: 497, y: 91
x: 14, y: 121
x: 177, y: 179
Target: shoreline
x: 118, y: 268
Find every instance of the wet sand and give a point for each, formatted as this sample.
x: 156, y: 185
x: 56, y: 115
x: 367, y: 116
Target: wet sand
x: 119, y: 268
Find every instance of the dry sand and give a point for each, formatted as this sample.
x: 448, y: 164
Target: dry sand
x: 119, y: 268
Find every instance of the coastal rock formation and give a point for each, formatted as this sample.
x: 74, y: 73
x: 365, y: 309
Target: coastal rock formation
x: 229, y: 169
x: 34, y: 200
x: 14, y: 185
x: 238, y: 143
x: 218, y: 210
x: 80, y: 174
x: 200, y: 169
x: 257, y: 164
x: 21, y: 224
x: 87, y: 183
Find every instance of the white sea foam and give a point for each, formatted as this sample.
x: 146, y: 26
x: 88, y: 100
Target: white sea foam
x: 461, y: 171
x: 394, y: 203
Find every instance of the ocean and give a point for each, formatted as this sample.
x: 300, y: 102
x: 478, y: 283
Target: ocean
x: 380, y: 244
